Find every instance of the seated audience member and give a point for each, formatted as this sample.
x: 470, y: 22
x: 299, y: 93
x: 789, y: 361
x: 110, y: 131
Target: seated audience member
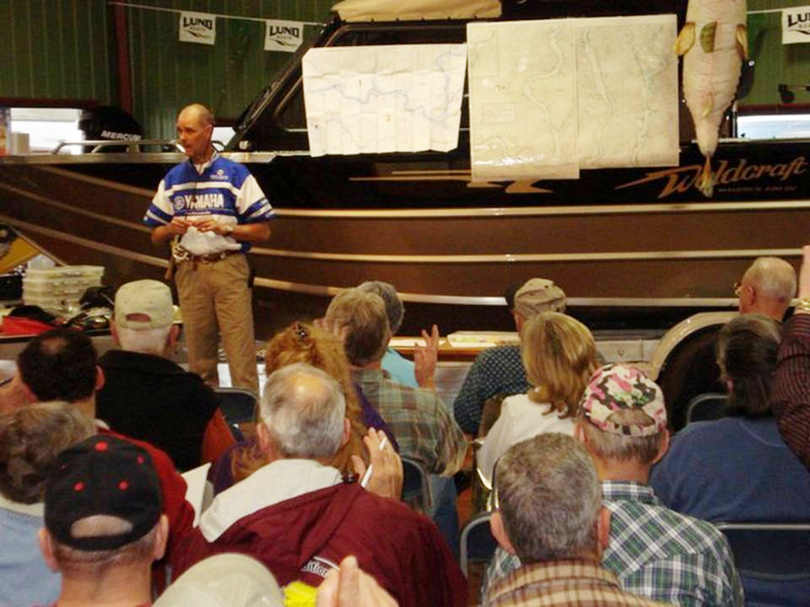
x: 299, y: 517
x: 224, y: 580
x: 303, y: 343
x: 559, y: 354
x: 30, y: 440
x: 551, y: 516
x: 767, y: 288
x: 738, y: 469
x: 499, y: 370
x: 790, y: 388
x: 62, y: 365
x: 654, y: 551
x: 103, y: 523
x: 237, y: 580
x: 398, y: 367
x: 424, y: 427
x: 149, y: 397
x: 421, y: 422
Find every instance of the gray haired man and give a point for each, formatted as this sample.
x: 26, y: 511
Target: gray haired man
x: 767, y: 287
x: 300, y: 518
x: 654, y: 551
x: 551, y: 516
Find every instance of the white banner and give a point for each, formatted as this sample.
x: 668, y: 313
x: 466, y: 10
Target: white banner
x: 284, y: 36
x: 796, y: 25
x: 198, y: 27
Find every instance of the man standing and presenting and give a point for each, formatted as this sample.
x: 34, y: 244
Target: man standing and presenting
x: 212, y: 209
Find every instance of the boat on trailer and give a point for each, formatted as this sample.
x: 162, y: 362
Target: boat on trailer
x: 627, y: 245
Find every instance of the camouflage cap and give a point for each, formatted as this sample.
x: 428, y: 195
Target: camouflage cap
x: 616, y: 387
x: 539, y: 295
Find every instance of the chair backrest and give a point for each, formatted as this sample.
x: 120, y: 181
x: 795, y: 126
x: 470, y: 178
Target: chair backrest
x: 706, y: 407
x: 477, y: 543
x: 238, y: 406
x: 415, y: 485
x: 481, y: 489
x: 770, y: 551
x: 490, y: 413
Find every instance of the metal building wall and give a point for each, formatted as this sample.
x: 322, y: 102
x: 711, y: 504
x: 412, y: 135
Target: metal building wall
x: 167, y: 74
x: 66, y: 50
x: 775, y: 63
x: 55, y: 49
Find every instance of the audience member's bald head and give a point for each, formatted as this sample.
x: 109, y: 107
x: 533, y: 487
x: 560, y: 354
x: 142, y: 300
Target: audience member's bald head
x: 302, y: 412
x: 767, y: 287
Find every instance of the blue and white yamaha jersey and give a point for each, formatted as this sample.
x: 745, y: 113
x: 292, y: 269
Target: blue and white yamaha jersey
x: 225, y: 190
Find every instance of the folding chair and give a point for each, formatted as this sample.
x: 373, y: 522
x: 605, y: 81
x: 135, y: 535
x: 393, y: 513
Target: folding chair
x: 238, y: 406
x: 415, y: 485
x: 706, y: 407
x: 770, y: 551
x: 477, y: 543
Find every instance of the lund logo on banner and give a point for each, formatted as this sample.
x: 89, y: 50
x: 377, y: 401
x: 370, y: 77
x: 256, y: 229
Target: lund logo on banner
x: 285, y: 36
x: 283, y: 33
x: 796, y: 20
x: 198, y: 27
x: 796, y: 25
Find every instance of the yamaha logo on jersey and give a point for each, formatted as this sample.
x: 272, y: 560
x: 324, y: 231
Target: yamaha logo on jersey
x: 201, y: 202
x: 220, y: 175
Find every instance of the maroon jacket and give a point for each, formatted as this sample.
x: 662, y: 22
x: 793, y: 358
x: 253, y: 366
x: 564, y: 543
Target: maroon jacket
x: 173, y: 488
x: 401, y: 549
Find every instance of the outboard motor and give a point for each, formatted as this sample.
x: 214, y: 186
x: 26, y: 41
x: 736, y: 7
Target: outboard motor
x: 109, y: 123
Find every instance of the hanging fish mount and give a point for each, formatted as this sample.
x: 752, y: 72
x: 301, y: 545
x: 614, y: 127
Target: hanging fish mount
x: 713, y: 43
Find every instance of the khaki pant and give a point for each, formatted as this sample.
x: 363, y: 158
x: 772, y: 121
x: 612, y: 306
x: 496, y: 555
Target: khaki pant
x: 215, y: 300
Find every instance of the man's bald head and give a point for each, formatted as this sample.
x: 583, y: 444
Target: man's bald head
x: 767, y: 287
x: 303, y: 410
x: 197, y: 111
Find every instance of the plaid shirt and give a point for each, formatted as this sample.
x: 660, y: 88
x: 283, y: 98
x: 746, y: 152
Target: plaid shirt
x: 574, y: 582
x: 658, y: 553
x: 497, y: 370
x: 424, y: 428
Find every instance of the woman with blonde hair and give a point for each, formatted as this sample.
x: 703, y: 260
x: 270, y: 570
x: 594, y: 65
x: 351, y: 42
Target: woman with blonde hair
x: 559, y: 354
x: 305, y: 343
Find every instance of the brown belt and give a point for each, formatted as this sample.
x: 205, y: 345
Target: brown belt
x: 208, y: 258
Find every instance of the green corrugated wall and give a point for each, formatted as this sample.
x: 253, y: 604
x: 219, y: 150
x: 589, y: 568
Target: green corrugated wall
x: 775, y: 63
x: 64, y: 49
x: 55, y: 49
x: 168, y: 74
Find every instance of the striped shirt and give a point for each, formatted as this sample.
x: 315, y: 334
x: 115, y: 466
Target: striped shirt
x: 424, y: 428
x: 657, y: 552
x: 790, y: 386
x: 573, y: 583
x: 222, y: 188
